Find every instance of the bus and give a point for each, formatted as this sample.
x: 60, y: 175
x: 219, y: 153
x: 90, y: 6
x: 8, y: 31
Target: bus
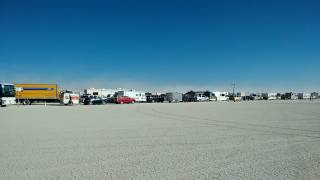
x: 7, y: 94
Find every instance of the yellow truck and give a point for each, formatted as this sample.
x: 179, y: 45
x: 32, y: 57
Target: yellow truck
x: 30, y: 93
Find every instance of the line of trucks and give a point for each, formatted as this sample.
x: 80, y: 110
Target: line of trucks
x: 35, y: 93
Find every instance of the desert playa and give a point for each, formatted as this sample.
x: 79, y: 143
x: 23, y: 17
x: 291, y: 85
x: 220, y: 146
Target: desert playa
x: 217, y: 140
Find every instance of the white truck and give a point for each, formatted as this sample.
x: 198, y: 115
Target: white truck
x: 69, y: 98
x: 7, y: 94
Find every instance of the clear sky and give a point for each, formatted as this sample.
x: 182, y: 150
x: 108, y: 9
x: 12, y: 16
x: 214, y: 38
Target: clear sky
x: 260, y: 45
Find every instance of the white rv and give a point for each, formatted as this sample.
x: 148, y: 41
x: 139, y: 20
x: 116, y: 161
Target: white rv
x: 103, y: 93
x: 272, y: 96
x: 304, y: 95
x: 221, y: 96
x: 139, y: 96
x: 7, y: 94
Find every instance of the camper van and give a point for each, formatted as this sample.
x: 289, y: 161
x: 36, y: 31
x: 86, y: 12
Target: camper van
x: 7, y: 94
x: 221, y: 96
x: 304, y: 95
x: 272, y: 96
x: 103, y: 93
x: 139, y: 96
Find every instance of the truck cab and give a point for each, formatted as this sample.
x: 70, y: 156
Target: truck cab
x: 7, y: 94
x: 69, y: 98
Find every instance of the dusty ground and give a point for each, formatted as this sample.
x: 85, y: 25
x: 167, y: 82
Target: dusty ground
x: 247, y: 140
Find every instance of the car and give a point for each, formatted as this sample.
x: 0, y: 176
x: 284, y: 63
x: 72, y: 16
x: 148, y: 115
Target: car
x: 124, y: 100
x: 93, y: 100
x: 201, y: 98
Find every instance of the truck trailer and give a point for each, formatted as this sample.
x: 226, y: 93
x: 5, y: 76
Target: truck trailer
x: 32, y: 93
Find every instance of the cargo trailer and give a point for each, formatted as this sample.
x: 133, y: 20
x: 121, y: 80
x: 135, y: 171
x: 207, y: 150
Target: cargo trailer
x: 221, y: 96
x: 139, y: 96
x: 32, y: 93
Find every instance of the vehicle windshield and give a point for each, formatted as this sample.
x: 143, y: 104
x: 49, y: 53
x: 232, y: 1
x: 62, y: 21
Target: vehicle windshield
x: 7, y: 91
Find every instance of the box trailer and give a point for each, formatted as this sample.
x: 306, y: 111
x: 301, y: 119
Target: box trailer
x: 103, y: 93
x: 7, y: 94
x: 304, y: 95
x: 139, y: 96
x: 31, y: 93
x: 221, y: 96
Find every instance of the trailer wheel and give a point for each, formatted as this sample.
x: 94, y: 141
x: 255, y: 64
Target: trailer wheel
x: 26, y: 102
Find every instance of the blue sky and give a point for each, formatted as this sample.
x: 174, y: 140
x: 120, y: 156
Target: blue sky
x: 260, y: 45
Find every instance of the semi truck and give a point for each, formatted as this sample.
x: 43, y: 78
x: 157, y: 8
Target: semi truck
x: 7, y: 94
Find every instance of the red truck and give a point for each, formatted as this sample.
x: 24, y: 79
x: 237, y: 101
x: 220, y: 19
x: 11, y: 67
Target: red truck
x: 124, y: 100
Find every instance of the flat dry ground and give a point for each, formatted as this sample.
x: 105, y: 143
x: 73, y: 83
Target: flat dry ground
x: 247, y: 140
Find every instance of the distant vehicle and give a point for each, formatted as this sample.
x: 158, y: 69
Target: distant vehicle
x: 7, y: 94
x: 304, y: 96
x: 69, y: 98
x: 235, y: 98
x: 202, y: 98
x: 174, y: 97
x: 221, y: 96
x: 30, y: 93
x: 152, y: 98
x: 289, y: 96
x: 138, y: 96
x: 272, y: 96
x: 93, y: 100
x: 124, y: 100
x: 103, y: 93
x: 265, y: 96
x: 195, y: 96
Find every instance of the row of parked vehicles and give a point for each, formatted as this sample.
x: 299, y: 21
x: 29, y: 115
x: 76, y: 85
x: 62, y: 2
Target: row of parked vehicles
x: 94, y: 100
x: 38, y: 93
x: 120, y: 96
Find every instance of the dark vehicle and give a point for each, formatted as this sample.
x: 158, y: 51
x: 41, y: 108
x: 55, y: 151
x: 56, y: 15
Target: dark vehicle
x: 173, y: 97
x: 93, y: 100
x: 196, y: 96
x: 151, y: 98
x: 287, y: 96
x: 248, y: 98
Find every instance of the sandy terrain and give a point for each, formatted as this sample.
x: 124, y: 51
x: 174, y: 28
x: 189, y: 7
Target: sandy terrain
x: 247, y: 140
